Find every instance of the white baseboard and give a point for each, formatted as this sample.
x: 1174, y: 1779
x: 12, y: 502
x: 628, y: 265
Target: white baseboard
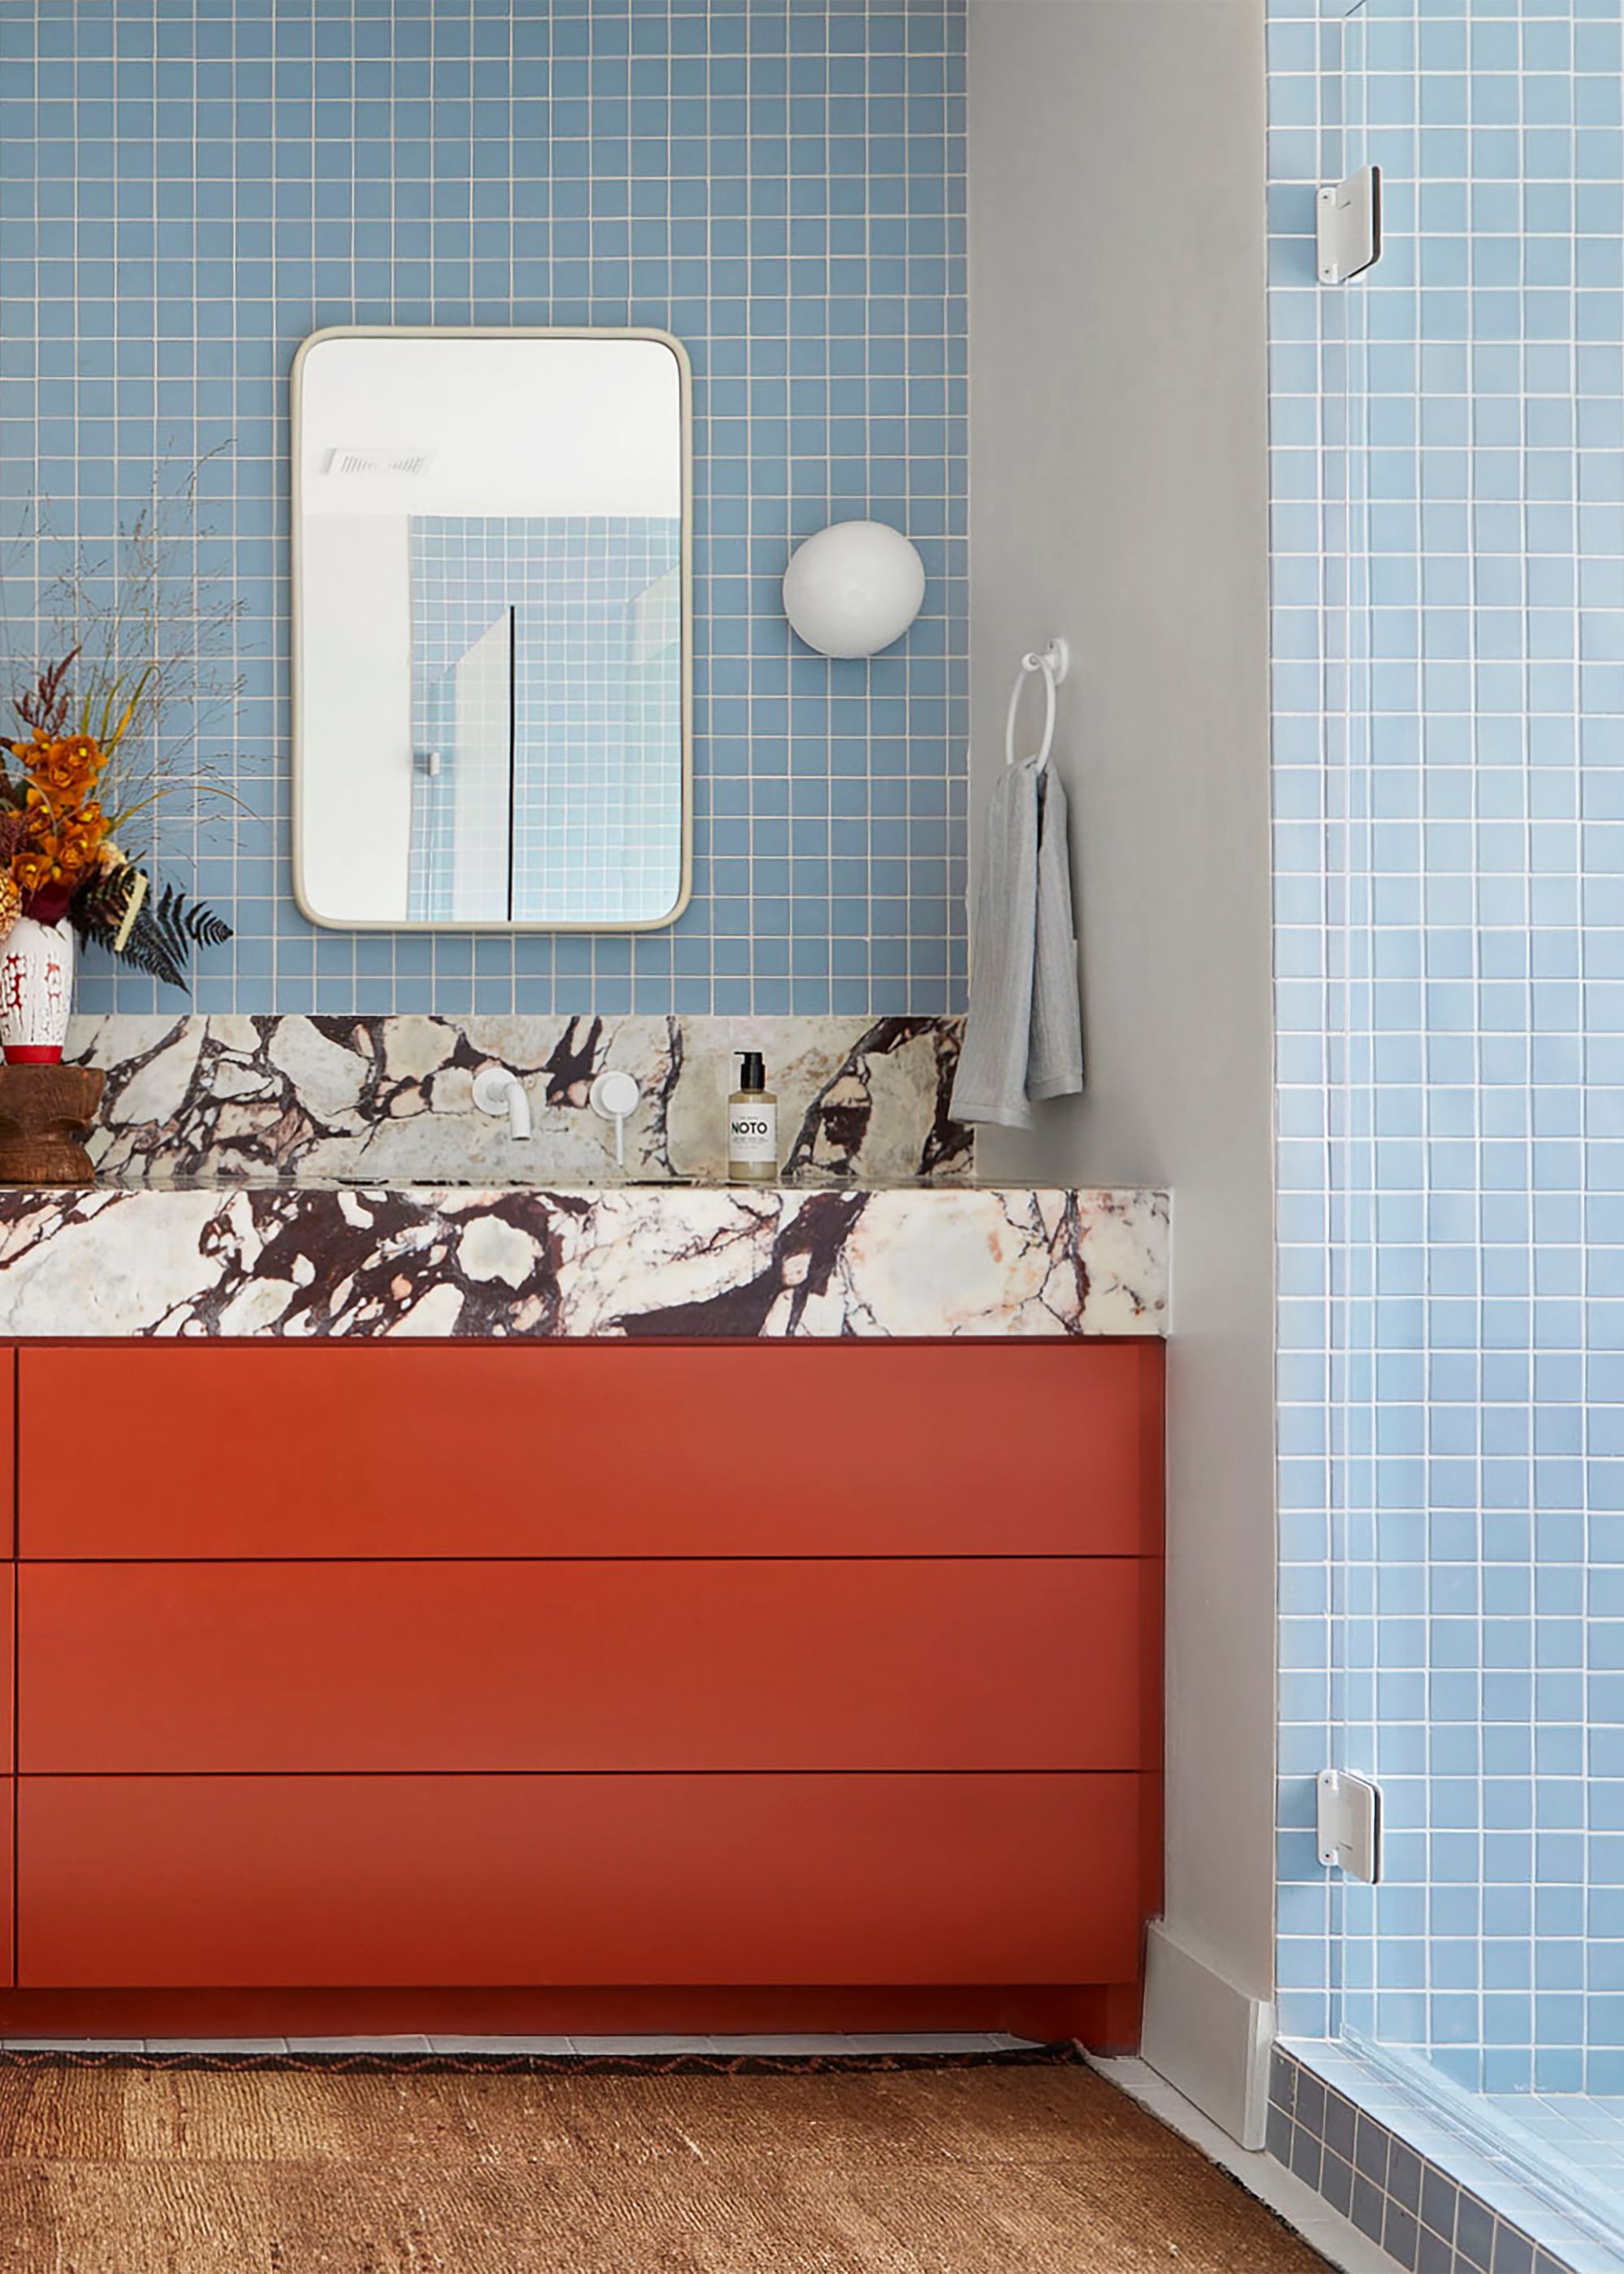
x: 1207, y: 2038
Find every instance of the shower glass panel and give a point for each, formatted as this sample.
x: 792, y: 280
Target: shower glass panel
x: 463, y: 787
x: 1469, y: 1082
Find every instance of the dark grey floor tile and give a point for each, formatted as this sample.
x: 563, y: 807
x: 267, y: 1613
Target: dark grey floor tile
x: 1438, y: 2197
x: 1368, y: 2208
x: 1404, y: 2176
x: 1278, y: 2136
x: 1474, y: 2233
x: 1401, y: 2236
x: 1339, y: 2124
x: 1514, y: 2252
x: 1336, y: 2181
x: 1305, y: 2157
x: 1433, y: 2255
x: 1369, y: 2151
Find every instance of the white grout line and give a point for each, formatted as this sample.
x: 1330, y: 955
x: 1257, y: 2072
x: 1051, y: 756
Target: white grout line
x: 1335, y: 2238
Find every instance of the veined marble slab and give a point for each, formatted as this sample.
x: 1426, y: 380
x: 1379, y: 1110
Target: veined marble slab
x: 389, y: 1101
x: 358, y: 1261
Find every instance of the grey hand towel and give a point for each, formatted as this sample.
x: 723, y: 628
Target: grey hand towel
x: 1023, y: 1038
x: 1055, y: 1067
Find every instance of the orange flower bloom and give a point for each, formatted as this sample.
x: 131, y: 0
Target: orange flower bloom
x: 63, y: 827
x: 67, y: 769
x: 61, y: 856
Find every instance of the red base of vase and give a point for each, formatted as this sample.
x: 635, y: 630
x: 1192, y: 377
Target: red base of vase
x: 33, y: 1054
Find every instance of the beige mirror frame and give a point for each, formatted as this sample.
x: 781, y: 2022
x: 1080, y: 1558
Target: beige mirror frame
x: 303, y: 802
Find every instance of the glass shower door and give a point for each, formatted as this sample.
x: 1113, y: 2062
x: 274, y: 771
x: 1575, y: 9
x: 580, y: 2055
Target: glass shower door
x: 1471, y: 1083
x: 462, y: 805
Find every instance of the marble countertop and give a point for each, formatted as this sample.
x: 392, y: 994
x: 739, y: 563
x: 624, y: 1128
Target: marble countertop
x: 322, y: 1258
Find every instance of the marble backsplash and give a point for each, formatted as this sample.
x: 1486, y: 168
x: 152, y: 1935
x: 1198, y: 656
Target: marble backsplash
x: 389, y: 1100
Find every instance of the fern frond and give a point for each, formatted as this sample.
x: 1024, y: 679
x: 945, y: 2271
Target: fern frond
x: 159, y: 935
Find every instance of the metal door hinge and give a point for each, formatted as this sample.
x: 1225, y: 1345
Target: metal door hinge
x: 1349, y: 218
x: 1348, y: 1824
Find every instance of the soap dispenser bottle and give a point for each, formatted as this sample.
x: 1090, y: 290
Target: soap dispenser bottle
x: 752, y: 1126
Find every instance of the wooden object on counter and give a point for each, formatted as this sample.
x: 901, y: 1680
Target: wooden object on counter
x: 45, y: 1110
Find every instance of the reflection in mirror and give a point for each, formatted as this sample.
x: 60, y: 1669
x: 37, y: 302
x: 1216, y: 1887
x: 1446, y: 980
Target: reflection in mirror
x: 490, y: 629
x: 464, y: 795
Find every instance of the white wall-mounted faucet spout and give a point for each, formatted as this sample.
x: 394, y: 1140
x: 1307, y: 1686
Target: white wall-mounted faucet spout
x: 497, y: 1089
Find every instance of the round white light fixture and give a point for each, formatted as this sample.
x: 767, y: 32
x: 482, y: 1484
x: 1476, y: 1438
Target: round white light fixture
x: 853, y: 588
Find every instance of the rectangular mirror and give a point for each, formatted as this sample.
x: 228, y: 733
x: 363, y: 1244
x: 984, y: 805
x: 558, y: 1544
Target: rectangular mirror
x: 490, y: 629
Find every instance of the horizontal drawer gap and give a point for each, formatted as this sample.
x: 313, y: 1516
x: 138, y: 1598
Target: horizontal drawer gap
x: 549, y: 1775
x: 619, y: 1348
x: 788, y: 1555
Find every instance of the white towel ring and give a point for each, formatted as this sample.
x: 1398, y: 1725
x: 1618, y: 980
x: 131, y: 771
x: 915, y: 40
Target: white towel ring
x: 1053, y: 662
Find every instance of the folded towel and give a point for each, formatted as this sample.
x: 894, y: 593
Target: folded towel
x: 1055, y: 1068
x: 1024, y: 1036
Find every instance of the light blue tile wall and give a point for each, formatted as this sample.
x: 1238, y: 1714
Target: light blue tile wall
x: 188, y: 187
x: 1448, y: 563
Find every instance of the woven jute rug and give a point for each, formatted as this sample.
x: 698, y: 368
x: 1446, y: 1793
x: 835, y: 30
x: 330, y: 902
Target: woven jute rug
x: 946, y: 2168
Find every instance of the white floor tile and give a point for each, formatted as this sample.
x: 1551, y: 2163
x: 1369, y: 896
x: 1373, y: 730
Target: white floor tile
x: 533, y: 2046
x: 217, y: 2044
x: 1332, y: 2237
x: 633, y: 2048
x: 358, y: 2045
x: 771, y: 2046
x: 73, y: 2044
x: 945, y: 2041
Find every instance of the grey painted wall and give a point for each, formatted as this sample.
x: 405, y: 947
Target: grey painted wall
x: 1118, y: 491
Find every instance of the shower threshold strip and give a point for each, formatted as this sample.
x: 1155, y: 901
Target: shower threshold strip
x: 1493, y: 2131
x: 1523, y: 2180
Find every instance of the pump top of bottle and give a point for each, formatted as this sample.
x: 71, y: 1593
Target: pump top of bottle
x: 753, y: 1073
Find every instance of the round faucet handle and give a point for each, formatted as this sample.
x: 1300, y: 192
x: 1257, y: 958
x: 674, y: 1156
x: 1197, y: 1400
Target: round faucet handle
x: 615, y: 1094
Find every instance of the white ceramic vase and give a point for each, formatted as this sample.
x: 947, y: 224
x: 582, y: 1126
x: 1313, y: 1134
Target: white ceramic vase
x: 37, y: 991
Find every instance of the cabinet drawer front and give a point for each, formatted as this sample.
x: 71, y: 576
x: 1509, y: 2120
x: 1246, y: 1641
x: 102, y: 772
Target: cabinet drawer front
x: 8, y: 1449
x: 910, y: 1663
x: 598, y: 1449
x: 307, y: 1881
x: 7, y: 1882
x: 8, y: 1687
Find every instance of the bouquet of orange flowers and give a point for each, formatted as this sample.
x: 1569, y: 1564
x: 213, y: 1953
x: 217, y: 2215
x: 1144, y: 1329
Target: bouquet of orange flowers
x: 59, y: 855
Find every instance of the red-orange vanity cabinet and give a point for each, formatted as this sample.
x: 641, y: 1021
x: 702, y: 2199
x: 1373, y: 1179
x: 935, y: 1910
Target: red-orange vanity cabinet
x: 587, y: 1685
x: 8, y: 1670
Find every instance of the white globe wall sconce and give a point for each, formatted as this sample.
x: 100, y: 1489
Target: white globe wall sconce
x: 853, y: 589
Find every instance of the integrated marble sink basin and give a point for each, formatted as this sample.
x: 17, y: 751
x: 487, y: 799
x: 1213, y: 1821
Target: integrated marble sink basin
x: 440, y: 1183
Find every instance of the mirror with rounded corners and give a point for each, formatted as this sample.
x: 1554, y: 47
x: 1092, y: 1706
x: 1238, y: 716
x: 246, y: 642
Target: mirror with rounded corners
x: 490, y: 629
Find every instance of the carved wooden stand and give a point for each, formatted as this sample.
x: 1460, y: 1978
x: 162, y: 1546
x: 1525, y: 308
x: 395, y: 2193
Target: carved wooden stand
x: 44, y: 1111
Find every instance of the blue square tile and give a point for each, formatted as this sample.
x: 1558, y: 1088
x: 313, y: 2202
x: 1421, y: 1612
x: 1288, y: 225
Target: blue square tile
x: 638, y: 168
